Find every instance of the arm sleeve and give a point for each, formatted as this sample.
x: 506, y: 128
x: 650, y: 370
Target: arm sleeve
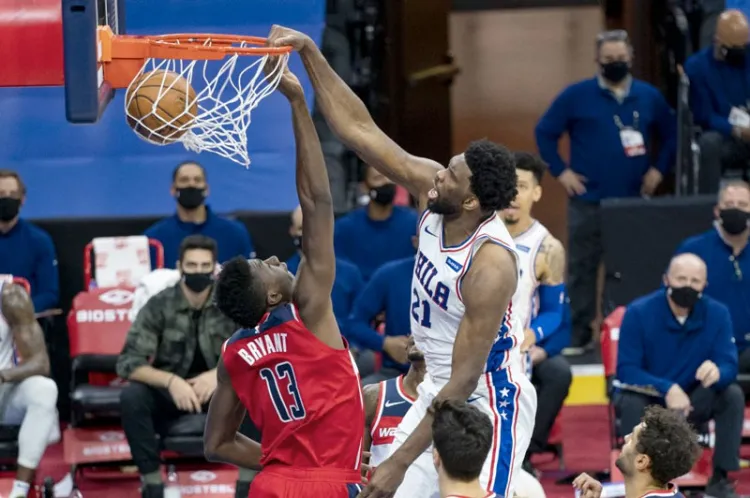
x: 724, y: 351
x: 551, y: 304
x: 142, y: 340
x: 550, y: 128
x: 45, y: 293
x: 631, y: 355
x: 666, y: 122
x: 367, y: 305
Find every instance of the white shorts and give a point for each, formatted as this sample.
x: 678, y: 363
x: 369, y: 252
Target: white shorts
x: 509, y: 399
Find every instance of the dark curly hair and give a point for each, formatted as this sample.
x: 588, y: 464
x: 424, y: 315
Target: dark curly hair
x: 462, y: 436
x: 670, y: 443
x: 493, y: 174
x: 530, y: 162
x: 239, y: 294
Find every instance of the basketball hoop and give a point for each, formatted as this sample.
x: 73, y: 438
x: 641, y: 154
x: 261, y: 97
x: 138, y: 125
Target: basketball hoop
x: 218, y: 94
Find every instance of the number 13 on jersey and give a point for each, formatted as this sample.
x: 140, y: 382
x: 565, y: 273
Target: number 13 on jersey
x: 283, y: 375
x: 420, y: 310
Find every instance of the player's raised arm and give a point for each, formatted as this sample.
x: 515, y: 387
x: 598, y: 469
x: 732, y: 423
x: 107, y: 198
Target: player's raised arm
x: 487, y: 290
x: 222, y: 441
x: 350, y: 120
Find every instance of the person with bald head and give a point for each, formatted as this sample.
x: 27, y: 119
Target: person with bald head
x: 719, y: 96
x: 676, y: 349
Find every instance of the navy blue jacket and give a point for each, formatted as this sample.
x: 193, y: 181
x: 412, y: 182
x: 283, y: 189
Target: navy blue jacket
x: 586, y: 112
x: 728, y: 279
x: 27, y: 251
x: 655, y: 351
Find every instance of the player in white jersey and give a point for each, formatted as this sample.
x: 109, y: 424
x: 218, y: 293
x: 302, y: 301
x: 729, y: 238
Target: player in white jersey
x: 465, y: 275
x: 28, y: 398
x: 540, y: 298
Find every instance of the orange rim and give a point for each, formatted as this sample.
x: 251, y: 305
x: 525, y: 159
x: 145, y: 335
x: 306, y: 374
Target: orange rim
x: 226, y: 44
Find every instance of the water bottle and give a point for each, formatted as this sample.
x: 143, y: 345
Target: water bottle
x: 172, y: 487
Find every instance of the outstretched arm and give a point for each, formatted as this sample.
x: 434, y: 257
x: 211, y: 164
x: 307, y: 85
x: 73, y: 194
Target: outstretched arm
x: 18, y: 311
x: 486, y: 290
x: 317, y: 269
x: 349, y: 119
x: 221, y: 440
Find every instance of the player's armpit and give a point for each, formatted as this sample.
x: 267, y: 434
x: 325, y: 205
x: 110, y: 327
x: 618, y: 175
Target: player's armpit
x: 486, y: 290
x: 221, y: 441
x: 550, y: 262
x: 18, y: 311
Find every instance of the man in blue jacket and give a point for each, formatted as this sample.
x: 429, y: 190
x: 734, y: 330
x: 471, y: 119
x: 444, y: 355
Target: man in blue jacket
x: 609, y: 119
x: 724, y: 249
x: 676, y: 348
x: 719, y: 95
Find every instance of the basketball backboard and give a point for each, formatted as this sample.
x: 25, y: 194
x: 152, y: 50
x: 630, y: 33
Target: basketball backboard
x: 86, y: 92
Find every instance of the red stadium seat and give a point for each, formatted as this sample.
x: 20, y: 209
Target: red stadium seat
x: 610, y: 335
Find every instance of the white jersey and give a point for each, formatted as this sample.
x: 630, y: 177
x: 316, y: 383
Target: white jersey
x: 437, y: 307
x: 8, y: 358
x: 525, y: 300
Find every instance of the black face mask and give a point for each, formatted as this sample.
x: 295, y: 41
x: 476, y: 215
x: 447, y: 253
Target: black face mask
x: 734, y: 56
x: 198, y: 282
x: 297, y: 241
x: 733, y: 220
x: 9, y: 207
x: 191, y: 197
x: 384, y: 194
x: 615, y: 71
x: 684, y: 297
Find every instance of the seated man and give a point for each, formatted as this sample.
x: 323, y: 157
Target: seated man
x: 190, y: 190
x: 724, y: 249
x: 676, y: 349
x: 718, y: 99
x: 26, y: 250
x: 388, y: 291
x: 170, y: 358
x: 27, y: 396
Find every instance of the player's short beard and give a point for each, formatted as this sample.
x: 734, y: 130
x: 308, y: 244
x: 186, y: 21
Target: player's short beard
x: 511, y: 221
x: 624, y: 466
x: 441, y: 206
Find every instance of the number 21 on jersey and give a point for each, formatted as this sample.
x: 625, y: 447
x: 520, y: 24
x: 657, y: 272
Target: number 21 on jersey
x: 283, y: 375
x: 420, y: 310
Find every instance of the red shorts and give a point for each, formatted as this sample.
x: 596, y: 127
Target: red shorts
x: 288, y: 482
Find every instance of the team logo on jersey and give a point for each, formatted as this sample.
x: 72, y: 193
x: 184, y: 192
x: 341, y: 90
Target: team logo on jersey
x: 453, y: 264
x: 523, y: 248
x: 428, y: 231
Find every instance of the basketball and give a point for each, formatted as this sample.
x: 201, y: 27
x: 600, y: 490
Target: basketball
x: 161, y: 106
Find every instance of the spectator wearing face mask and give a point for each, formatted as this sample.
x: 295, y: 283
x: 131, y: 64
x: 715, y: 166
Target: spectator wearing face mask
x: 26, y: 250
x: 724, y: 249
x: 676, y: 350
x: 194, y: 217
x: 379, y: 232
x: 609, y: 120
x: 348, y: 279
x: 719, y: 95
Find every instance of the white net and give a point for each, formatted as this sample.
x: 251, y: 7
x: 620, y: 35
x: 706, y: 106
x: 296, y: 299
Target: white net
x: 204, y: 104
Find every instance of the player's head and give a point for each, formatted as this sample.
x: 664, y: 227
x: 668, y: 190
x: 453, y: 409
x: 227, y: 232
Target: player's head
x: 663, y: 447
x: 685, y: 279
x: 295, y: 227
x: 12, y: 194
x: 614, y: 54
x: 197, y: 262
x: 462, y: 436
x: 732, y: 209
x: 189, y: 185
x: 412, y: 351
x: 481, y: 180
x: 530, y: 171
x: 248, y: 288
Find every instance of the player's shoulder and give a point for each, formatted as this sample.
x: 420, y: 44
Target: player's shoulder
x: 550, y: 243
x: 240, y: 337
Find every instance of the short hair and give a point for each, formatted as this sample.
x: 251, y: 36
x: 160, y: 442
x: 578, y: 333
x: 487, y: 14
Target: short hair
x: 530, y: 162
x: 9, y: 173
x: 176, y: 170
x: 493, y: 174
x: 462, y: 435
x: 239, y: 295
x: 723, y: 186
x: 198, y: 242
x: 614, y: 35
x: 669, y: 441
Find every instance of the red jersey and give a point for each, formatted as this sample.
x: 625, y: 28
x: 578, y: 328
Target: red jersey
x: 304, y: 396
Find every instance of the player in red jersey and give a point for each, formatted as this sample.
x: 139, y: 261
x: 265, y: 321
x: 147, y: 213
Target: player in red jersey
x: 289, y: 368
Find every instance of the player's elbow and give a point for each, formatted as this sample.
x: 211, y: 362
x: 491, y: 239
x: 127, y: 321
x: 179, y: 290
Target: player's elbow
x: 212, y: 447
